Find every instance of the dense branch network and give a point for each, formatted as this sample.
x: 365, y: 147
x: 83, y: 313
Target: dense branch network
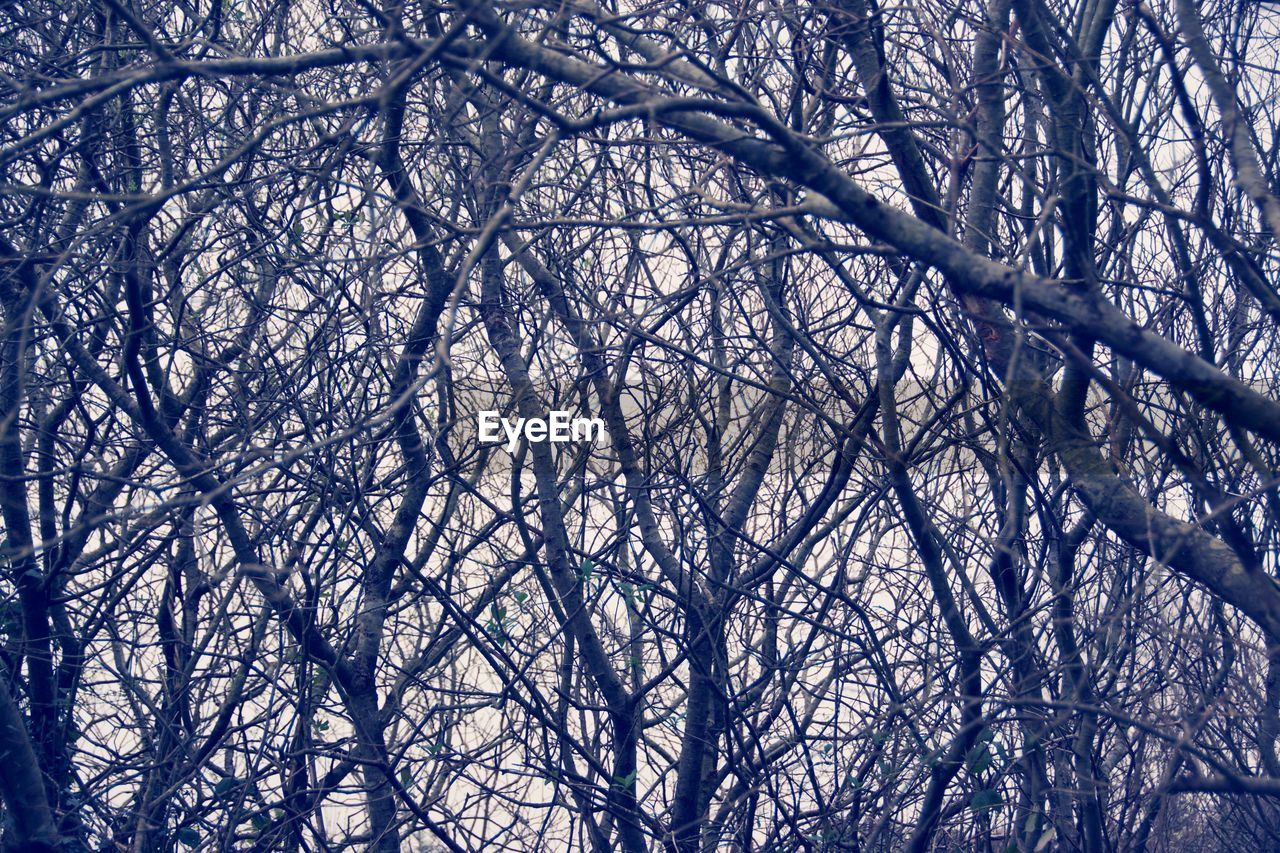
x: 935, y: 347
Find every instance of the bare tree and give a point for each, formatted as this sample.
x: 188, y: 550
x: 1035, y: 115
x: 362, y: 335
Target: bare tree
x: 936, y: 502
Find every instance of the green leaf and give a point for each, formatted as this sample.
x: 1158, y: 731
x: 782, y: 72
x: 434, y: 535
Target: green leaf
x: 625, y: 782
x: 978, y: 759
x: 985, y: 800
x: 225, y: 785
x: 496, y: 631
x: 587, y: 567
x: 520, y: 596
x: 189, y: 837
x: 261, y: 822
x: 406, y: 778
